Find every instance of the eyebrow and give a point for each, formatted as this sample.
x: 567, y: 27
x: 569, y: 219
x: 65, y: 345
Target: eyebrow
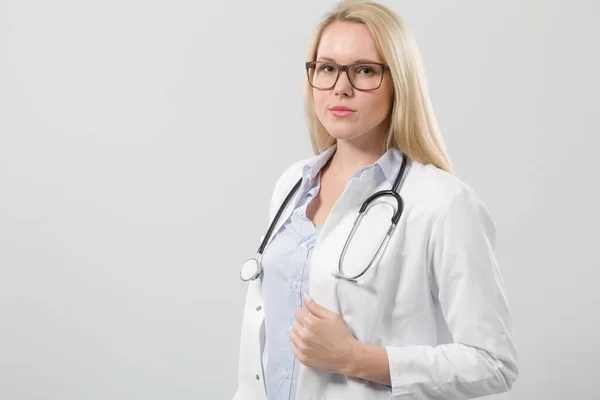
x: 362, y: 60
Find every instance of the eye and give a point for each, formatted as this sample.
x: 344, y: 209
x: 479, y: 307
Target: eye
x: 326, y: 68
x: 365, y: 70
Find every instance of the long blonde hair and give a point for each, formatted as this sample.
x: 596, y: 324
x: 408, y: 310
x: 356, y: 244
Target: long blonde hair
x: 413, y: 127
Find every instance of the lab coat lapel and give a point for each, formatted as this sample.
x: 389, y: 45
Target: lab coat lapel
x: 323, y: 261
x: 354, y: 195
x: 333, y: 235
x: 311, y: 381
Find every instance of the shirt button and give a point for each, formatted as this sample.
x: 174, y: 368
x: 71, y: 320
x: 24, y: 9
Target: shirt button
x: 294, y: 285
x: 257, y: 377
x: 258, y: 308
x: 285, y: 374
x: 289, y: 329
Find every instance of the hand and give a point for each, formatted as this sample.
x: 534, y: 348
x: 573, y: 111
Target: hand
x: 321, y: 339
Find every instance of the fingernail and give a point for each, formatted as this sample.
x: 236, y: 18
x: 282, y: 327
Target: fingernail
x: 307, y: 297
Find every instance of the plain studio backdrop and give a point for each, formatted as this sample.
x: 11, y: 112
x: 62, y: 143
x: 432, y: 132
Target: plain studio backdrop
x: 140, y: 142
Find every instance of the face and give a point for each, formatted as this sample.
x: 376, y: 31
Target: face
x: 347, y: 43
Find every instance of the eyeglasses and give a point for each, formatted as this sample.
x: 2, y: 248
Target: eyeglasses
x: 324, y: 75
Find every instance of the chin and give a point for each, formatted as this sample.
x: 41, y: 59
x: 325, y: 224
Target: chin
x: 342, y: 134
x: 342, y: 130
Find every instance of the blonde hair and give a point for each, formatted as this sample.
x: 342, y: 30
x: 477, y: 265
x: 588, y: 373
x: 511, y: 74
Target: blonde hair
x: 413, y: 127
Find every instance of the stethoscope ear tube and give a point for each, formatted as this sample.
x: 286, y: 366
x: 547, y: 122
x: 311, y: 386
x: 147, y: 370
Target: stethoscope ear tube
x: 278, y: 215
x: 252, y: 268
x: 395, y: 195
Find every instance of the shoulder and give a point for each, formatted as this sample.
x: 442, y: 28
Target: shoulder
x: 292, y: 173
x: 442, y: 194
x: 428, y: 184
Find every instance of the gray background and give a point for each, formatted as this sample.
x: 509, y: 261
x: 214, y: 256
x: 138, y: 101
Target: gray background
x: 140, y: 142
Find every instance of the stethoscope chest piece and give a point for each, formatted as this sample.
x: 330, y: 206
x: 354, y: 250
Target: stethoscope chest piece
x: 251, y: 269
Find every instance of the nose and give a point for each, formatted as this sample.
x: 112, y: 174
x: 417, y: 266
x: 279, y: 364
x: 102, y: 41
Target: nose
x: 343, y: 86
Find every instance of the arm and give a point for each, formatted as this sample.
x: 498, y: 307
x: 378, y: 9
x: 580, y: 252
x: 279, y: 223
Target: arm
x: 368, y: 362
x: 467, y: 284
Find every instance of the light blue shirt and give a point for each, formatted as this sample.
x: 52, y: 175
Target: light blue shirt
x: 286, y: 270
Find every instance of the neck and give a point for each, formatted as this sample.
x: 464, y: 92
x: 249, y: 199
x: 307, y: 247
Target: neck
x: 350, y: 157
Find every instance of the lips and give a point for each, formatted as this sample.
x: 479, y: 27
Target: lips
x: 341, y: 111
x: 341, y: 108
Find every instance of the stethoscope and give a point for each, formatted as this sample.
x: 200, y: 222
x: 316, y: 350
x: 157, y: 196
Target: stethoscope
x: 252, y: 268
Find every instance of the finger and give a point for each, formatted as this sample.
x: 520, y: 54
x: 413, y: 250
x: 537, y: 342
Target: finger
x: 297, y: 353
x: 295, y: 339
x: 295, y: 350
x: 298, y: 329
x: 316, y: 309
x: 305, y: 317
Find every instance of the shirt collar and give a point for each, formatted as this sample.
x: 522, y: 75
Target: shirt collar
x: 312, y: 167
x: 389, y: 163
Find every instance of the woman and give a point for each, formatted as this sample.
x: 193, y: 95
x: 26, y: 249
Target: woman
x: 429, y: 318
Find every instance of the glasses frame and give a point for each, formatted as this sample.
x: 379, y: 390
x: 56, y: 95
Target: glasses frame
x: 340, y: 68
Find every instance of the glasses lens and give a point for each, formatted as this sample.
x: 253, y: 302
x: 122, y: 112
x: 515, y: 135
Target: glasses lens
x: 322, y: 75
x: 364, y: 76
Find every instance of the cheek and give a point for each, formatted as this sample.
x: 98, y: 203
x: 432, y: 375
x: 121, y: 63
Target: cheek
x: 319, y: 100
x: 377, y: 108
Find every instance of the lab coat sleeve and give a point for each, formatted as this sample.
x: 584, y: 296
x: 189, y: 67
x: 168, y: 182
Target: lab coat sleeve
x: 466, y: 282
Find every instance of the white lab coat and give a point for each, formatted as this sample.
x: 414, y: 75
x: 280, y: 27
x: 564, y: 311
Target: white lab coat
x: 435, y: 299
